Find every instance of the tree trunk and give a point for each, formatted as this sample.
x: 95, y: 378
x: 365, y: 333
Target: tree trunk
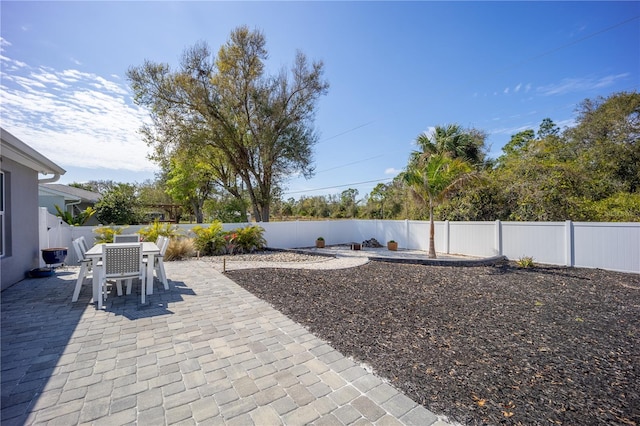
x: 197, y: 211
x: 432, y: 232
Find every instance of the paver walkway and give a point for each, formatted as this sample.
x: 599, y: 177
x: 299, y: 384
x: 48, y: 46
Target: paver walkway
x: 204, y: 352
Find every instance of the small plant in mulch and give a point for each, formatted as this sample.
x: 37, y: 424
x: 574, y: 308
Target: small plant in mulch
x: 525, y: 262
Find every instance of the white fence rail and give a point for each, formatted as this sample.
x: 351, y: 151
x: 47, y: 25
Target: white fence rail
x: 611, y: 246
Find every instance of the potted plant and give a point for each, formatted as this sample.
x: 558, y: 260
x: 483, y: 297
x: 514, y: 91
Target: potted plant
x: 320, y: 242
x: 392, y: 245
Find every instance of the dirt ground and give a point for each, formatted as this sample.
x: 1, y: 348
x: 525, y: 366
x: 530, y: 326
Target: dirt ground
x: 481, y: 345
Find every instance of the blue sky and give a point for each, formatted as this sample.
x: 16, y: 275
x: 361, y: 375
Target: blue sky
x: 396, y: 69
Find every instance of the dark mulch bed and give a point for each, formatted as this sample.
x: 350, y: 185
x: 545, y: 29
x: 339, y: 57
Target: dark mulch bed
x: 482, y: 345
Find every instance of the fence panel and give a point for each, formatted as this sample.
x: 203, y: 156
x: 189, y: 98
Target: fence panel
x: 472, y: 238
x: 417, y: 235
x: 544, y: 241
x: 611, y: 246
x: 396, y: 230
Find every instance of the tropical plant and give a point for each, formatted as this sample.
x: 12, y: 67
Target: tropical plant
x: 454, y: 142
x: 78, y: 220
x: 432, y: 178
x: 209, y: 241
x: 104, y: 234
x: 249, y: 239
x: 157, y: 228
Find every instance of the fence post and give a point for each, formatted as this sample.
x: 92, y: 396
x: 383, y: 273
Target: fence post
x: 498, y: 238
x: 568, y: 242
x: 447, y: 240
x: 406, y: 233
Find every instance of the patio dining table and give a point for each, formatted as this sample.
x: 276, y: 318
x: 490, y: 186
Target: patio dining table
x: 149, y: 251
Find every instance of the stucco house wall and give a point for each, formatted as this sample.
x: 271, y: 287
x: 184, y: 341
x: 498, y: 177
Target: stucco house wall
x: 21, y: 219
x: 21, y: 165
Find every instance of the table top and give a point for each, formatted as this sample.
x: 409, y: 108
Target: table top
x: 148, y: 247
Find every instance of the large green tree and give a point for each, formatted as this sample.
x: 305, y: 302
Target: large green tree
x: 589, y: 172
x: 119, y: 205
x: 260, y: 125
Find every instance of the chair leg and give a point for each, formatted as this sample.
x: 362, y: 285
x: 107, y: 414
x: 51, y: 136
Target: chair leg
x: 129, y: 285
x: 119, y: 287
x: 102, y: 293
x: 81, y: 277
x: 143, y: 289
x: 161, y: 273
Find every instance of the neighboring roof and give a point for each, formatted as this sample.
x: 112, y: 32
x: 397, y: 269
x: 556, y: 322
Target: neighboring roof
x: 18, y: 151
x: 70, y: 192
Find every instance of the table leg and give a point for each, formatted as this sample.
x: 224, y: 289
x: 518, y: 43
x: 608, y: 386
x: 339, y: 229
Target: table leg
x: 96, y: 282
x: 150, y: 263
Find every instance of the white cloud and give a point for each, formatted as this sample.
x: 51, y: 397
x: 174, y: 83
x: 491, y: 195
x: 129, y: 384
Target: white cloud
x: 506, y: 91
x: 391, y: 171
x: 581, y: 84
x: 76, y: 119
x: 517, y: 88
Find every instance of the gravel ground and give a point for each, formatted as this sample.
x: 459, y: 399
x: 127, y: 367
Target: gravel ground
x: 481, y: 345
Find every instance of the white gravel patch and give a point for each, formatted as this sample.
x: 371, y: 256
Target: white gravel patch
x: 282, y: 259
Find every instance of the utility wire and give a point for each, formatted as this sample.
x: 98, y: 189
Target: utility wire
x: 350, y: 164
x: 337, y: 186
x: 348, y: 131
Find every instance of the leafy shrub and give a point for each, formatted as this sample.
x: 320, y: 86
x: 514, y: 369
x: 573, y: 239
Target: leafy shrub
x: 248, y: 239
x: 104, y: 234
x: 209, y: 241
x: 215, y: 241
x: 525, y: 262
x: 153, y: 231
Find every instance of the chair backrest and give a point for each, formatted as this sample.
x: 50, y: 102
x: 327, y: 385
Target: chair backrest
x: 163, y: 245
x: 79, y: 249
x: 122, y: 260
x: 83, y: 243
x: 126, y: 238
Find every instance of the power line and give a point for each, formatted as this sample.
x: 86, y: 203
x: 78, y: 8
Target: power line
x: 348, y: 131
x: 350, y: 164
x: 338, y: 186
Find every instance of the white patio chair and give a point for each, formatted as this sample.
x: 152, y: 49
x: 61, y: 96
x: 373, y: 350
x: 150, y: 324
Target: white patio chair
x: 126, y: 238
x: 163, y: 244
x: 158, y: 260
x: 86, y: 269
x: 122, y: 261
x: 83, y: 243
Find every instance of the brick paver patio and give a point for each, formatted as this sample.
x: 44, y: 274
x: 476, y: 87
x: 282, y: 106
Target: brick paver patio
x: 204, y: 352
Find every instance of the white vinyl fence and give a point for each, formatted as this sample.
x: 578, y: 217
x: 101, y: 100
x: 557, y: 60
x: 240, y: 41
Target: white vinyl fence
x: 611, y: 246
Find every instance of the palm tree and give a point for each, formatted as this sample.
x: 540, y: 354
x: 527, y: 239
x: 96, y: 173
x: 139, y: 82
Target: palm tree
x: 453, y: 141
x: 432, y: 178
